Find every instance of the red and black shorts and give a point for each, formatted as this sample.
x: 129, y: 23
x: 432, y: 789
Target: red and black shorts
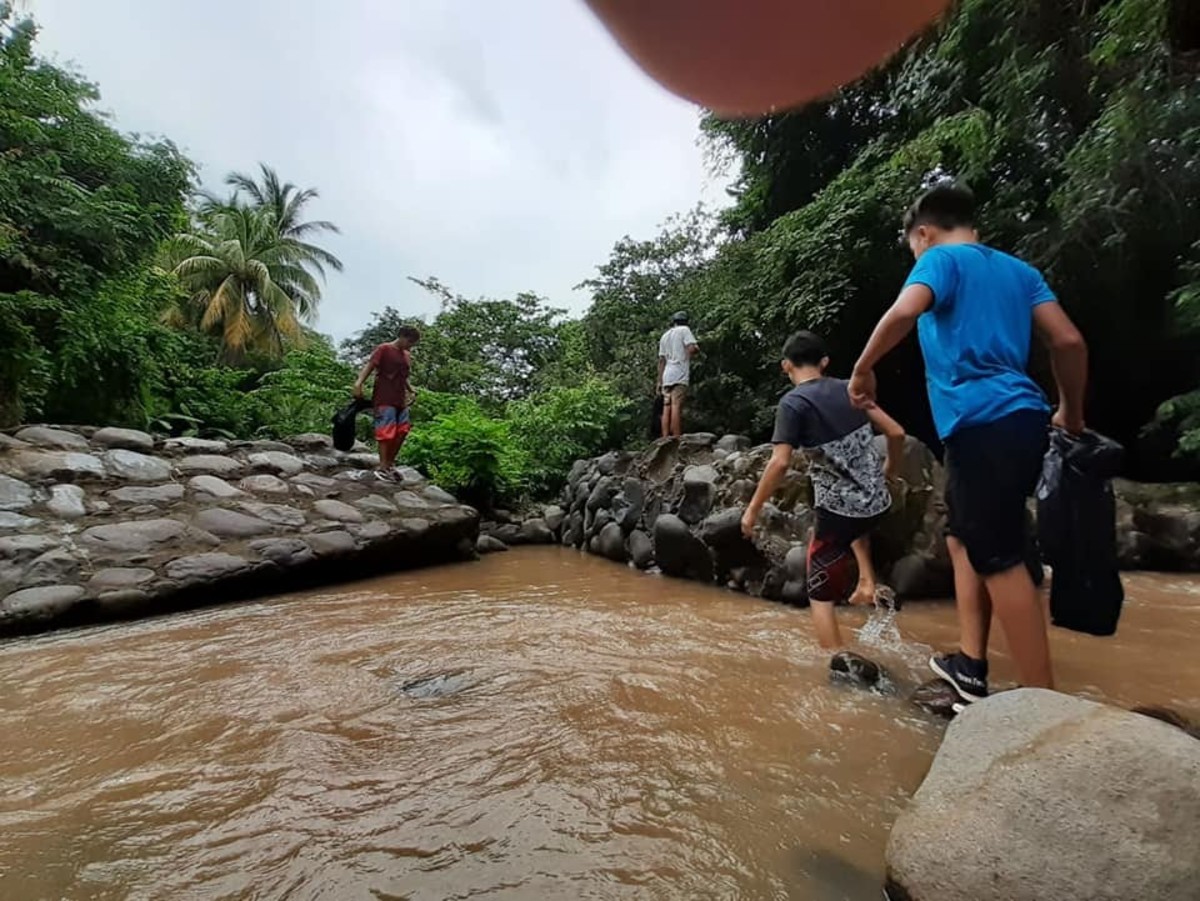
x: 831, y: 570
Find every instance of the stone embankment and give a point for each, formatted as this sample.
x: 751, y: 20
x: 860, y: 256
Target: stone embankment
x: 678, y: 505
x: 109, y: 523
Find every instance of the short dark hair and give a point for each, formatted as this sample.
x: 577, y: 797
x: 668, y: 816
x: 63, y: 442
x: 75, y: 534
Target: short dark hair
x: 805, y: 349
x: 409, y: 333
x: 947, y: 206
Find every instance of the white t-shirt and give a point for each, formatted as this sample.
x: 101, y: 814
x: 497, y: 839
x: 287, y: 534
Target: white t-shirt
x: 673, y: 346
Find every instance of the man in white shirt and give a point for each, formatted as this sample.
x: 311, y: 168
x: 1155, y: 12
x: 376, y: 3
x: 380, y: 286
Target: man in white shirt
x: 675, y: 351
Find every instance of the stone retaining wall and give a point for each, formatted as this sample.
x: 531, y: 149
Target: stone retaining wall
x: 108, y: 523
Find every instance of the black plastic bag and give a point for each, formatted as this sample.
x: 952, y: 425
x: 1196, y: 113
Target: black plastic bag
x: 1077, y: 531
x: 344, y: 421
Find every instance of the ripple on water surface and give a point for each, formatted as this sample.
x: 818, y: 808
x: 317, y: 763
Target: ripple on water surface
x: 539, y: 725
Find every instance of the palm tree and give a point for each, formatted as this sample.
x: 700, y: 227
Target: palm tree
x: 249, y: 270
x: 242, y: 282
x: 285, y: 204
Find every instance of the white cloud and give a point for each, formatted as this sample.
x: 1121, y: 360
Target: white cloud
x: 499, y: 146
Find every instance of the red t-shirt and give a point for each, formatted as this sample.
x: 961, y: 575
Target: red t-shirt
x: 391, y: 377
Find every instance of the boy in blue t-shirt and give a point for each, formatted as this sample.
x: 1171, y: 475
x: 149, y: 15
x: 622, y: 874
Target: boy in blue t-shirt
x: 975, y: 309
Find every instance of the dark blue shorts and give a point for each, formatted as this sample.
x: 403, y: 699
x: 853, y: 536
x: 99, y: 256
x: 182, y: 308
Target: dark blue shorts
x: 991, y: 471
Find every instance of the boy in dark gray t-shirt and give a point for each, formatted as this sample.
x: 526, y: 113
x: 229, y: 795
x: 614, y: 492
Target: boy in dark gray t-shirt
x: 849, y: 479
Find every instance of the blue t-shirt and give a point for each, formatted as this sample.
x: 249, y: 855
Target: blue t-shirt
x: 975, y: 338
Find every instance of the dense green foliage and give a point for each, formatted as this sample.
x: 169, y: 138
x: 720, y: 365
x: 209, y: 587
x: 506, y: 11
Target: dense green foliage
x: 82, y: 209
x: 1077, y: 124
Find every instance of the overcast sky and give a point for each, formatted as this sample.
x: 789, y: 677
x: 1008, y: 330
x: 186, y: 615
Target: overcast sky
x: 500, y: 145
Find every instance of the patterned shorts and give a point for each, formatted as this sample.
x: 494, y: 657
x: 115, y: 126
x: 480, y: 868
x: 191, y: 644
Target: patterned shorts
x: 391, y: 424
x: 831, y: 568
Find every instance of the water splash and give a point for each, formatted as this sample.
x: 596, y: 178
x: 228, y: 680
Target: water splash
x: 880, y: 629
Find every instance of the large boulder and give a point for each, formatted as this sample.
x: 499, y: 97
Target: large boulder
x: 641, y: 549
x: 679, y: 552
x: 1158, y: 526
x: 1036, y: 795
x: 611, y: 543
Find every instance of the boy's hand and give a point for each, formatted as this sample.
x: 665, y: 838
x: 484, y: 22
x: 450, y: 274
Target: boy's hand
x: 863, y: 388
x: 749, y: 518
x: 358, y: 391
x: 1069, y: 422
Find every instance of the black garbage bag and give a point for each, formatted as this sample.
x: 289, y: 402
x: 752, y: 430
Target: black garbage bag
x: 343, y: 423
x: 1077, y: 531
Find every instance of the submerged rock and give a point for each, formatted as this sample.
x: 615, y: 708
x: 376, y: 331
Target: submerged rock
x: 936, y: 697
x: 849, y: 668
x: 486, y: 544
x: 439, y: 686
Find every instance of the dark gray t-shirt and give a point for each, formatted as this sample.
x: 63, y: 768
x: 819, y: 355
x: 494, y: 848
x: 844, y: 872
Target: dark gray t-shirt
x: 845, y: 468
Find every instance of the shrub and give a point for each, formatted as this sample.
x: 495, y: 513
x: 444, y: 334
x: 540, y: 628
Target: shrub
x: 557, y: 427
x: 468, y: 453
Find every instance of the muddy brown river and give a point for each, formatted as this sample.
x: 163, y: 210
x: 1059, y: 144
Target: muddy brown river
x: 540, y: 725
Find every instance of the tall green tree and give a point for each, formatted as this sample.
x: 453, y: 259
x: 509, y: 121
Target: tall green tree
x: 82, y: 209
x: 495, y: 350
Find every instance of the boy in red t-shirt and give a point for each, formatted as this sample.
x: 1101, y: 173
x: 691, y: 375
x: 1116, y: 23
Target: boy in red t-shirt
x: 391, y: 363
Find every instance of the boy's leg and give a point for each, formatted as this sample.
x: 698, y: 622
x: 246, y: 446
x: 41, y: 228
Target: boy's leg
x: 864, y: 594
x: 666, y: 414
x: 677, y: 412
x: 385, y: 436
x: 1019, y: 609
x: 830, y: 575
x: 387, y: 453
x: 825, y: 624
x: 991, y: 470
x: 972, y: 602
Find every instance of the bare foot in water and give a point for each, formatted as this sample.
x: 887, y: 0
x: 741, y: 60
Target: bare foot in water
x: 864, y: 595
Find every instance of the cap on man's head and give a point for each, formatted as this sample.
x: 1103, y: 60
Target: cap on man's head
x: 680, y: 318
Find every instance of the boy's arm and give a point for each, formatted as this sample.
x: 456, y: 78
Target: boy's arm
x: 363, y: 375
x: 894, y: 433
x: 1068, y: 358
x: 777, y: 467
x: 662, y: 365
x: 893, y: 328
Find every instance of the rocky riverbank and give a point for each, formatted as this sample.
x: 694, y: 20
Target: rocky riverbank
x: 678, y: 506
x: 100, y: 524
